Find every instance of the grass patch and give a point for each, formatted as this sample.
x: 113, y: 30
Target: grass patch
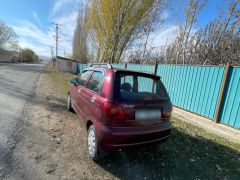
x: 61, y: 79
x: 201, y: 133
x: 190, y: 153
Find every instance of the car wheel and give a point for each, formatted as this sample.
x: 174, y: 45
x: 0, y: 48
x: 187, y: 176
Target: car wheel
x: 69, y: 103
x: 93, y: 147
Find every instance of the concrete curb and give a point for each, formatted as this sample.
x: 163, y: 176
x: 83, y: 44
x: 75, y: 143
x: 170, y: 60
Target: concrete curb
x: 224, y: 131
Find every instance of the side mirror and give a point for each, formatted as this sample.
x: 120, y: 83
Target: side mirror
x: 74, y: 81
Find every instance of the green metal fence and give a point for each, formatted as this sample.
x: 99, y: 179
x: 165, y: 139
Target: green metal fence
x: 198, y: 89
x: 230, y: 111
x: 194, y: 88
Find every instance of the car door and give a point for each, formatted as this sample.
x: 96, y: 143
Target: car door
x: 79, y: 91
x: 90, y: 95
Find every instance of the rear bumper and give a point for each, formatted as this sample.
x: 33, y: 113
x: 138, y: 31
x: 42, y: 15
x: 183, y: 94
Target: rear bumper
x: 111, y: 138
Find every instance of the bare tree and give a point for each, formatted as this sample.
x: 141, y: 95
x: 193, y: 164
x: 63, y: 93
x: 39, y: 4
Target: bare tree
x: 80, y: 50
x: 185, y: 29
x: 219, y: 41
x: 8, y: 38
x: 155, y: 22
x: 116, y: 24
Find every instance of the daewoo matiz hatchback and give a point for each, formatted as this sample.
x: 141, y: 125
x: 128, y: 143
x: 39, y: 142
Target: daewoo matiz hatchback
x: 120, y: 108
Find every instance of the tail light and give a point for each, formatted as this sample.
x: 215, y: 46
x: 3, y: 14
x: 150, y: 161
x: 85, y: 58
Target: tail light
x: 167, y: 112
x: 113, y: 114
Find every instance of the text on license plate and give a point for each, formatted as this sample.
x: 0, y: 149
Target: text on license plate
x: 147, y: 114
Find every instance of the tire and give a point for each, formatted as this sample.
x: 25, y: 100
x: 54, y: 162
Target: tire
x: 69, y: 103
x: 93, y: 147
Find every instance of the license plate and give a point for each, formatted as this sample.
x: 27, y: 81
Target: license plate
x: 147, y: 114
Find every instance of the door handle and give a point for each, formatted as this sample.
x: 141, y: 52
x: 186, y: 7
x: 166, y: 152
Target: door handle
x: 92, y: 100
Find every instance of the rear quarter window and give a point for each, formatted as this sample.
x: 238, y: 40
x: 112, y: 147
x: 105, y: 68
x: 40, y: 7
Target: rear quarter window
x: 84, y: 77
x: 96, y: 81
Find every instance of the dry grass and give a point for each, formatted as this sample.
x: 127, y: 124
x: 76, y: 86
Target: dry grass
x: 190, y: 153
x: 61, y: 79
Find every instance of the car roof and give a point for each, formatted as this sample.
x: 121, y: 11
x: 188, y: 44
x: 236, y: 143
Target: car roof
x: 120, y: 70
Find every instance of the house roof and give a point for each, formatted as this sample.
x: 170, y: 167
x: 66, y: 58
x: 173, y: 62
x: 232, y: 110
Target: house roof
x: 66, y: 59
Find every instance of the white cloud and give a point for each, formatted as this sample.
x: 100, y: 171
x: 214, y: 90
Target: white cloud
x: 28, y: 29
x: 59, y: 5
x: 35, y: 15
x: 156, y: 41
x: 65, y: 13
x: 65, y: 6
x: 67, y: 23
x: 163, y: 37
x: 42, y: 50
x: 30, y: 36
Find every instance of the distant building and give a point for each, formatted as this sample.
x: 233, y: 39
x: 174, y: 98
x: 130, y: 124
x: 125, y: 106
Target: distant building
x: 67, y: 65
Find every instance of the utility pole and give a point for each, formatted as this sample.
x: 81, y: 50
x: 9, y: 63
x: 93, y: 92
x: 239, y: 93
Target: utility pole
x: 57, y: 27
x: 52, y: 54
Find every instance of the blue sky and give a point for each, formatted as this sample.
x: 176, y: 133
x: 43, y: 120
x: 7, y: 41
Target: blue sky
x: 32, y: 21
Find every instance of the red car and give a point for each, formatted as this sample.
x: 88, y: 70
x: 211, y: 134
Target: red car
x: 120, y: 108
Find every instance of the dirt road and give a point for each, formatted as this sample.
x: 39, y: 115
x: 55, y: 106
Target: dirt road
x: 50, y: 143
x: 54, y: 141
x: 17, y: 86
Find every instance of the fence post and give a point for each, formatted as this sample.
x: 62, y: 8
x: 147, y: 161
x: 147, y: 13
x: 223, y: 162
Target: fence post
x: 155, y: 68
x: 125, y: 66
x: 220, y: 98
x: 155, y: 73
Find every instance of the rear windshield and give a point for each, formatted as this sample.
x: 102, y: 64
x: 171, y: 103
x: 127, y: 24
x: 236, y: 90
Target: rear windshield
x: 139, y: 87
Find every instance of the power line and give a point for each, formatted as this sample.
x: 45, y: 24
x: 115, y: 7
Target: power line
x: 69, y: 20
x: 57, y: 37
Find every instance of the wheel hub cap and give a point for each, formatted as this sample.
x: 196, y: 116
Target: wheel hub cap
x: 68, y: 101
x: 91, y: 143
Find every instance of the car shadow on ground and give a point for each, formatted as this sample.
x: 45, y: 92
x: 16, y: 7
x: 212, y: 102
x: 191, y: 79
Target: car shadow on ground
x: 182, y: 157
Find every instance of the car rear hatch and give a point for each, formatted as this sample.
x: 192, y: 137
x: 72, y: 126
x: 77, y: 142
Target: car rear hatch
x: 141, y: 99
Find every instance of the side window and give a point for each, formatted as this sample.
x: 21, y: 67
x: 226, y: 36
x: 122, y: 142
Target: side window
x: 84, y: 77
x: 96, y: 81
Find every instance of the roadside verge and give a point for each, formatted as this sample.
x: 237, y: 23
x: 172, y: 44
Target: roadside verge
x: 221, y: 130
x: 55, y: 146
